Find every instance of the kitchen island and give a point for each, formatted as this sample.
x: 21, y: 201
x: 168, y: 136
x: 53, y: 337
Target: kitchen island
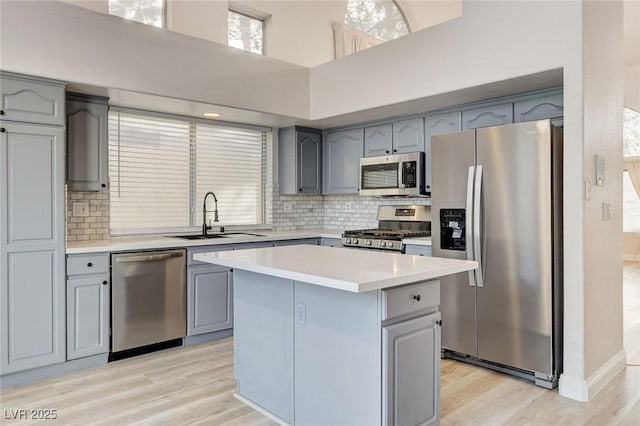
x: 337, y: 336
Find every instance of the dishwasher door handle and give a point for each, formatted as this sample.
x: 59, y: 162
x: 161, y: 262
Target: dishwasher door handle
x: 149, y: 257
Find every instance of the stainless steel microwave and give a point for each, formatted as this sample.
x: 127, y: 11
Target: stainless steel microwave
x: 401, y: 174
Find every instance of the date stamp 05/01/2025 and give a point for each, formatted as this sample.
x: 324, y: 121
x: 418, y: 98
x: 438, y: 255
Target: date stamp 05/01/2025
x: 29, y: 414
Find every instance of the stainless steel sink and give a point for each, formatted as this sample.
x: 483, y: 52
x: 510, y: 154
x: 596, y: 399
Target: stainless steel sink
x: 197, y: 236
x: 209, y: 236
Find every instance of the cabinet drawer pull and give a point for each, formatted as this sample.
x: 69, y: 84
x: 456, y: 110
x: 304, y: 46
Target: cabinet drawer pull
x: 2, y: 130
x: 1, y: 112
x: 89, y: 265
x: 104, y: 282
x: 417, y: 297
x: 104, y: 185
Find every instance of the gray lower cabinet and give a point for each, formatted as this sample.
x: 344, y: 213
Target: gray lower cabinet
x: 411, y: 368
x: 309, y: 241
x: 88, y: 305
x: 300, y: 160
x: 484, y: 116
x: 330, y: 242
x: 32, y: 277
x: 87, y: 143
x: 378, y: 140
x: 341, y: 163
x: 417, y: 250
x: 209, y: 299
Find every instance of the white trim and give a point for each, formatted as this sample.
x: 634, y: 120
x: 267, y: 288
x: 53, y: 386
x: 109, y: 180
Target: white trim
x: 261, y: 410
x: 585, y: 390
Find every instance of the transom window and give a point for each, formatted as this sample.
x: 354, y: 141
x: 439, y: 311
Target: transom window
x: 150, y: 12
x: 160, y: 168
x: 246, y: 32
x: 381, y: 19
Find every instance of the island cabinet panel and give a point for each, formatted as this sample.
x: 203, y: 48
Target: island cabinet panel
x: 411, y: 368
x: 341, y: 161
x: 263, y: 342
x: 337, y: 357
x: 378, y: 140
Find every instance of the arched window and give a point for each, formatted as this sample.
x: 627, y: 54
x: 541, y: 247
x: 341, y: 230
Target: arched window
x: 381, y: 19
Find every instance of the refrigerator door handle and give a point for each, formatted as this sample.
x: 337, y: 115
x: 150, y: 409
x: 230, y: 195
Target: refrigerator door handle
x: 469, y: 224
x: 477, y: 240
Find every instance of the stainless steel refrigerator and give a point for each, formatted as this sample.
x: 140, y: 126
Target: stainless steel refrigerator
x: 497, y: 199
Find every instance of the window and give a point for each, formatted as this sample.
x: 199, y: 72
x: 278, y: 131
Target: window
x: 246, y: 32
x: 379, y: 18
x: 631, y: 196
x: 150, y: 12
x: 161, y: 167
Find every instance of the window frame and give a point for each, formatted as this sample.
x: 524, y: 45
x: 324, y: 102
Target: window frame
x: 194, y: 203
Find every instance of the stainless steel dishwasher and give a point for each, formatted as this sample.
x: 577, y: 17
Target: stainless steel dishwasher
x: 148, y: 300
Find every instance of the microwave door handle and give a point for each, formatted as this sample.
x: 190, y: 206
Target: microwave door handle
x: 403, y: 178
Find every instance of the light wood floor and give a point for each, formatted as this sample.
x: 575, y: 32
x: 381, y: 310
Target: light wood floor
x: 631, y: 306
x: 195, y: 385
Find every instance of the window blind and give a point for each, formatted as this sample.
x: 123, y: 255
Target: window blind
x: 160, y: 169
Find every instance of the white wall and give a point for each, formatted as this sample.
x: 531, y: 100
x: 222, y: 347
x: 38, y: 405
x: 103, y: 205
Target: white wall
x: 424, y: 14
x: 631, y: 246
x: 56, y: 40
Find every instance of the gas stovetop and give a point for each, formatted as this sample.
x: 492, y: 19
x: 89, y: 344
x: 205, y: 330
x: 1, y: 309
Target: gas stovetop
x: 387, y: 239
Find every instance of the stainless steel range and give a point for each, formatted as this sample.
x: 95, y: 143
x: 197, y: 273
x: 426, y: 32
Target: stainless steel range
x: 395, y: 223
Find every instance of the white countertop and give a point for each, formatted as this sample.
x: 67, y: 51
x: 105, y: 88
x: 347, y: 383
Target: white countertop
x: 160, y: 242
x: 337, y: 267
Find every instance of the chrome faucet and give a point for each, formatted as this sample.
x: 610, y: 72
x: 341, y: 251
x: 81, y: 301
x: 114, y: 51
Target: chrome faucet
x: 206, y: 227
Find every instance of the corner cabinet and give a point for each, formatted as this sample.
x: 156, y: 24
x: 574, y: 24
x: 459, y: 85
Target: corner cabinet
x: 32, y: 247
x: 88, y: 305
x: 342, y: 153
x: 300, y: 160
x: 87, y: 143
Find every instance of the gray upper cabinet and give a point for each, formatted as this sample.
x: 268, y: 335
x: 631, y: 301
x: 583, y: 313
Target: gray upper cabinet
x: 87, y: 143
x: 342, y: 153
x: 300, y: 160
x: 88, y: 305
x: 32, y: 277
x: 31, y: 100
x: 539, y: 107
x: 437, y: 124
x: 485, y: 116
x: 378, y: 140
x: 408, y: 135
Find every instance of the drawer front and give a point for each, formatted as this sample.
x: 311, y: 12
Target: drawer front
x: 417, y: 250
x: 309, y: 241
x: 401, y: 301
x: 94, y: 263
x: 245, y: 246
x: 190, y: 252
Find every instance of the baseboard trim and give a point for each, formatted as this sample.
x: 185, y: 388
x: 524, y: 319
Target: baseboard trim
x: 208, y: 337
x: 585, y: 390
x: 261, y: 410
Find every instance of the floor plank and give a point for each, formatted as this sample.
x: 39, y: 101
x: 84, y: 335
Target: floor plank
x: 195, y: 386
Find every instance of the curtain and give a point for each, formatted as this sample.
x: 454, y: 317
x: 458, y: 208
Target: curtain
x: 348, y: 40
x: 632, y: 164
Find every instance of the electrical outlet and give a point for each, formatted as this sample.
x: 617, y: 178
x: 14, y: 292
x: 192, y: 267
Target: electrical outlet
x: 301, y: 314
x: 606, y: 211
x: 347, y: 207
x: 287, y: 207
x: 81, y: 209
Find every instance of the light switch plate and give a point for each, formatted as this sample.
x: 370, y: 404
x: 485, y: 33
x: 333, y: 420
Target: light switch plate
x: 347, y: 207
x: 599, y: 169
x: 81, y: 209
x: 606, y: 211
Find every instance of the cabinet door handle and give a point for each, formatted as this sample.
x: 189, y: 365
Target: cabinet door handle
x: 104, y: 282
x: 1, y: 112
x: 417, y: 297
x: 104, y: 185
x: 387, y: 151
x: 300, y: 190
x: 2, y: 130
x: 89, y: 264
x: 395, y: 150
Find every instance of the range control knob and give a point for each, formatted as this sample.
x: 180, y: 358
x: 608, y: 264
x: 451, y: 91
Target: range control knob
x: 368, y: 242
x: 390, y: 245
x: 355, y: 241
x: 383, y: 243
x: 348, y: 240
